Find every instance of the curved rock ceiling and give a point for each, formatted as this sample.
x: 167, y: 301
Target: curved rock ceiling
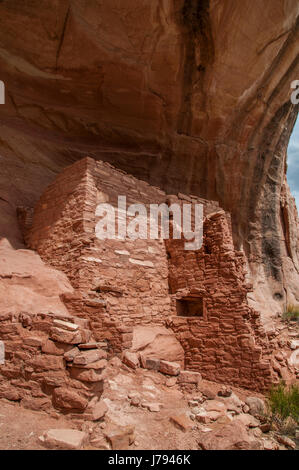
x: 192, y: 96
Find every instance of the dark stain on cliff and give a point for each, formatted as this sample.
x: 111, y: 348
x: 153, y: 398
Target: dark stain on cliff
x: 197, y: 32
x: 196, y: 18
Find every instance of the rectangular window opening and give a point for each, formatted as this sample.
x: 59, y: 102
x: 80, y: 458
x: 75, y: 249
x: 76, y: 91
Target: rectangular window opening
x: 190, y: 307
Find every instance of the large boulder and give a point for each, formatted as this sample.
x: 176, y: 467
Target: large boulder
x: 28, y: 285
x: 157, y: 342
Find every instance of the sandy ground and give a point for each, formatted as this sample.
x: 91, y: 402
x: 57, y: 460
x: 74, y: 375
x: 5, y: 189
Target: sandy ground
x: 20, y: 428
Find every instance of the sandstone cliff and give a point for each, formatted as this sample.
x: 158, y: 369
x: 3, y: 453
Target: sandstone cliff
x: 192, y: 96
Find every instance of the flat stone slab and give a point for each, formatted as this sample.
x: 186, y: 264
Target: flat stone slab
x: 69, y: 337
x: 99, y: 411
x: 189, y: 377
x: 149, y: 362
x: 87, y: 357
x: 70, y: 355
x: 120, y: 437
x: 182, y: 422
x: 65, y: 325
x: 169, y: 368
x: 70, y: 439
x: 90, y: 345
x: 130, y: 359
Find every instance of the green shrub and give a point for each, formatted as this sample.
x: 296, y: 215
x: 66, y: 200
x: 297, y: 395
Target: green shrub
x: 284, y: 402
x: 292, y: 312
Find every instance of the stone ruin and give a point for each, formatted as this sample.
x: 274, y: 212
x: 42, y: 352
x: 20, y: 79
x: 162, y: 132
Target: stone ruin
x: 201, y: 295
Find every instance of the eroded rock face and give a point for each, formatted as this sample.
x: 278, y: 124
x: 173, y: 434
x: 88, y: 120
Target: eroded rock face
x: 28, y: 285
x: 157, y: 342
x: 191, y: 96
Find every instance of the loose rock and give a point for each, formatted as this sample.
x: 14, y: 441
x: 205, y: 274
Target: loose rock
x: 63, y: 439
x: 130, y: 359
x: 182, y: 422
x: 169, y: 368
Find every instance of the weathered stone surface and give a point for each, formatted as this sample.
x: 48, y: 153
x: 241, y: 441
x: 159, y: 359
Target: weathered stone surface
x: 153, y: 407
x: 86, y: 375
x: 149, y: 363
x: 69, y: 337
x: 232, y: 436
x: 256, y: 405
x: 87, y: 357
x: 28, y: 285
x: 169, y: 368
x: 286, y: 441
x: 248, y: 420
x: 9, y: 392
x: 270, y: 444
x: 64, y: 336
x: 294, y: 344
x: 202, y: 417
x: 225, y: 392
x: 33, y: 341
x: 120, y: 437
x: 265, y: 427
x: 214, y: 405
x: 55, y: 378
x: 54, y: 348
x: 158, y: 343
x: 135, y: 401
x: 170, y: 381
x: 182, y: 422
x: 70, y: 355
x: 69, y: 399
x: 100, y: 443
x: 46, y: 362
x: 207, y: 392
x: 36, y: 404
x: 98, y: 365
x: 216, y: 415
x: 65, y: 439
x: 91, y: 345
x: 233, y: 403
x: 130, y: 359
x: 190, y: 377
x: 65, y: 325
x: 99, y: 410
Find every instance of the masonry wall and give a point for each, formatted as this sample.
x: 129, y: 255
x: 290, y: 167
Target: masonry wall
x: 123, y: 283
x: 38, y: 372
x: 119, y: 283
x: 226, y: 343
